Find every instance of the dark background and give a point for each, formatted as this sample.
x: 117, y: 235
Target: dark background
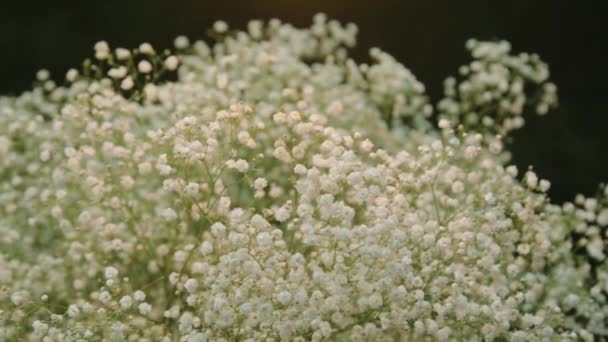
x: 427, y: 36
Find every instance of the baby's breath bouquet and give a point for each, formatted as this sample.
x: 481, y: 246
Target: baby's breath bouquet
x: 267, y: 187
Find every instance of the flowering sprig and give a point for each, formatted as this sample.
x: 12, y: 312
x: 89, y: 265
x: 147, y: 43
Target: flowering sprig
x: 497, y: 88
x: 129, y: 71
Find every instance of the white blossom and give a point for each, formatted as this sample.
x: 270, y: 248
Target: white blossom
x: 126, y: 302
x: 171, y: 63
x: 110, y: 272
x: 144, y: 308
x: 144, y: 67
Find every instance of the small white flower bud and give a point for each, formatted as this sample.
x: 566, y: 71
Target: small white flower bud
x: 171, y: 63
x: 110, y: 272
x: 71, y: 75
x: 43, y: 75
x: 144, y: 67
x: 127, y: 83
x: 191, y: 285
x: 126, y: 302
x: 146, y: 49
x: 181, y: 42
x: 220, y: 26
x: 102, y: 50
x: 284, y: 297
x: 139, y: 296
x: 144, y: 308
x: 122, y: 54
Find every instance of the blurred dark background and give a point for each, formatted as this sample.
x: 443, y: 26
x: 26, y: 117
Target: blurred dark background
x: 427, y: 36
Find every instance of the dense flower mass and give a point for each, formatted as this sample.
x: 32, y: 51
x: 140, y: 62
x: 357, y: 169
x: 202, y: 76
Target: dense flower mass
x: 277, y: 190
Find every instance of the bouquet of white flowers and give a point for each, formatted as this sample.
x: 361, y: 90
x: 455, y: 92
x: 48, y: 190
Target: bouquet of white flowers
x: 267, y: 187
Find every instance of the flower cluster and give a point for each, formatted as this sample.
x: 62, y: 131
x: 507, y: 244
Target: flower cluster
x: 495, y: 89
x: 278, y: 190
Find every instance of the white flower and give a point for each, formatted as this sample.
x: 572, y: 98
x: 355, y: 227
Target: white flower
x: 110, y: 272
x: 264, y: 239
x: 544, y: 185
x: 531, y: 179
x: 73, y: 311
x: 71, y: 75
x: 181, y: 42
x: 220, y: 26
x: 40, y: 328
x: 192, y: 189
x: 139, y: 296
x: 43, y: 75
x: 168, y: 214
x: 354, y: 178
x: 105, y: 297
x: 171, y: 63
x: 118, y: 73
x: 126, y: 302
x: 241, y: 165
x: 191, y: 285
x: 444, y: 123
x: 218, y: 230
x: 102, y: 50
x: 282, y: 154
x: 127, y: 182
x: 127, y: 83
x: 144, y: 67
x: 281, y: 214
x: 280, y: 118
x: 144, y: 308
x: 144, y: 168
x: 206, y: 248
x: 146, y: 49
x: 173, y: 278
x: 457, y: 187
x: 122, y: 54
x: 284, y: 297
x: 260, y: 183
x: 375, y: 300
x: 366, y: 145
